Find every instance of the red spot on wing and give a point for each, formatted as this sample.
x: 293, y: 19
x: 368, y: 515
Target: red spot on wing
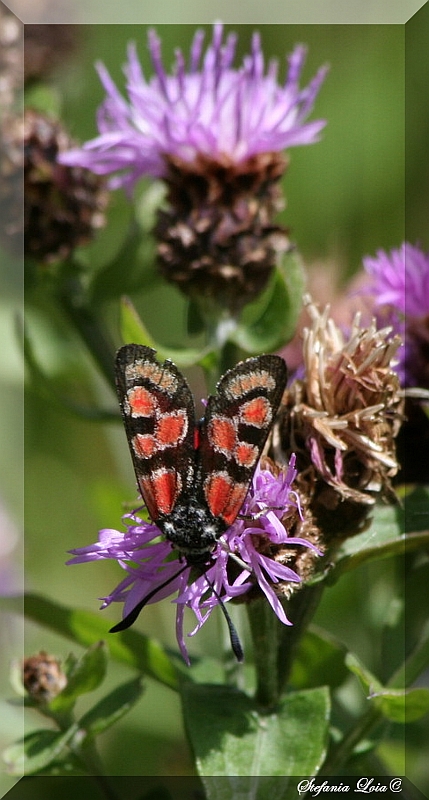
x: 160, y: 491
x: 144, y: 445
x: 246, y: 454
x: 222, y: 435
x: 218, y: 487
x: 171, y: 428
x: 235, y: 501
x: 224, y: 497
x: 256, y: 412
x: 197, y: 438
x: 142, y: 403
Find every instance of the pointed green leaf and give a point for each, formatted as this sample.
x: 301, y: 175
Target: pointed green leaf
x: 84, y: 627
x: 111, y: 708
x: 134, y: 331
x: 385, y: 537
x: 398, y: 705
x: 231, y: 736
x: 402, y: 705
x: 369, y: 682
x: 270, y: 321
x: 36, y: 751
x: 84, y: 676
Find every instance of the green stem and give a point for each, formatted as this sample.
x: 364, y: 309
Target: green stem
x: 301, y: 609
x: 89, y: 326
x: 88, y: 754
x: 341, y: 754
x: 264, y: 627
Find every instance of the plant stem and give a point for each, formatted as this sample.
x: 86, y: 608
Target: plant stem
x: 88, y: 754
x: 342, y: 753
x: 301, y: 609
x: 71, y: 299
x: 264, y: 627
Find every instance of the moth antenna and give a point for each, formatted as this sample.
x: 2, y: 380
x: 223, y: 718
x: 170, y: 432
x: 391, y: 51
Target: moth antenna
x: 127, y: 621
x: 233, y: 635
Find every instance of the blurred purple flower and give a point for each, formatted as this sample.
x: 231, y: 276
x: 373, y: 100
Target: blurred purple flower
x: 147, y: 559
x: 206, y: 107
x: 399, y: 289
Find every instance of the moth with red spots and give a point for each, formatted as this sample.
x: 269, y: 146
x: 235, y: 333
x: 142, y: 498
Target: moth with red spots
x: 194, y: 477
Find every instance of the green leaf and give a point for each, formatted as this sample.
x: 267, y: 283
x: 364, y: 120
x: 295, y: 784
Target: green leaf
x: 416, y: 504
x: 84, y: 627
x: 133, y: 330
x: 402, y: 705
x: 43, y: 97
x: 398, y: 705
x: 36, y: 751
x: 319, y: 661
x: 47, y: 387
x: 417, y: 661
x: 111, y: 708
x: 384, y: 538
x: 84, y: 676
x: 270, y: 321
x: 231, y: 736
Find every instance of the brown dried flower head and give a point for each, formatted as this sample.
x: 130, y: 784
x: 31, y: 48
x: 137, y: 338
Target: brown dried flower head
x: 63, y: 206
x: 217, y: 240
x: 341, y: 420
x: 43, y: 677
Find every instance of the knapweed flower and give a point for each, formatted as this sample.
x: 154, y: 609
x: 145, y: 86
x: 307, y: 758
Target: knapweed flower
x: 214, y: 134
x: 399, y: 290
x: 251, y: 553
x: 63, y: 206
x: 341, y: 420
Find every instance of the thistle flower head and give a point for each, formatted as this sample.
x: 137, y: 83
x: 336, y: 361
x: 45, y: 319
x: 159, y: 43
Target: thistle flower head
x: 250, y: 554
x: 204, y: 108
x: 342, y: 419
x: 214, y: 134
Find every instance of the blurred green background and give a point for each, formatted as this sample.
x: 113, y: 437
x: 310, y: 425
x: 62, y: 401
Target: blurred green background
x: 345, y: 199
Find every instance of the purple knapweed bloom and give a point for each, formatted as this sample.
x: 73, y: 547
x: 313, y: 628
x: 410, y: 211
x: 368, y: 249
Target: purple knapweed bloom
x: 147, y: 559
x: 204, y: 108
x: 399, y: 291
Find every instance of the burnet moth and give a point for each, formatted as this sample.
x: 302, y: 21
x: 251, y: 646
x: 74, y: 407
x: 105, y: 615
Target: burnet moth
x: 194, y: 476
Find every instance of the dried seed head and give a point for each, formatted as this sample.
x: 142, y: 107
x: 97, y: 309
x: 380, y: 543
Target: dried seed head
x: 43, y: 677
x: 63, y: 206
x: 341, y: 420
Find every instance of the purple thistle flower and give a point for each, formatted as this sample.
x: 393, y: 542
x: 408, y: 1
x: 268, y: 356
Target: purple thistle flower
x: 399, y: 290
x: 147, y: 559
x: 207, y: 108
